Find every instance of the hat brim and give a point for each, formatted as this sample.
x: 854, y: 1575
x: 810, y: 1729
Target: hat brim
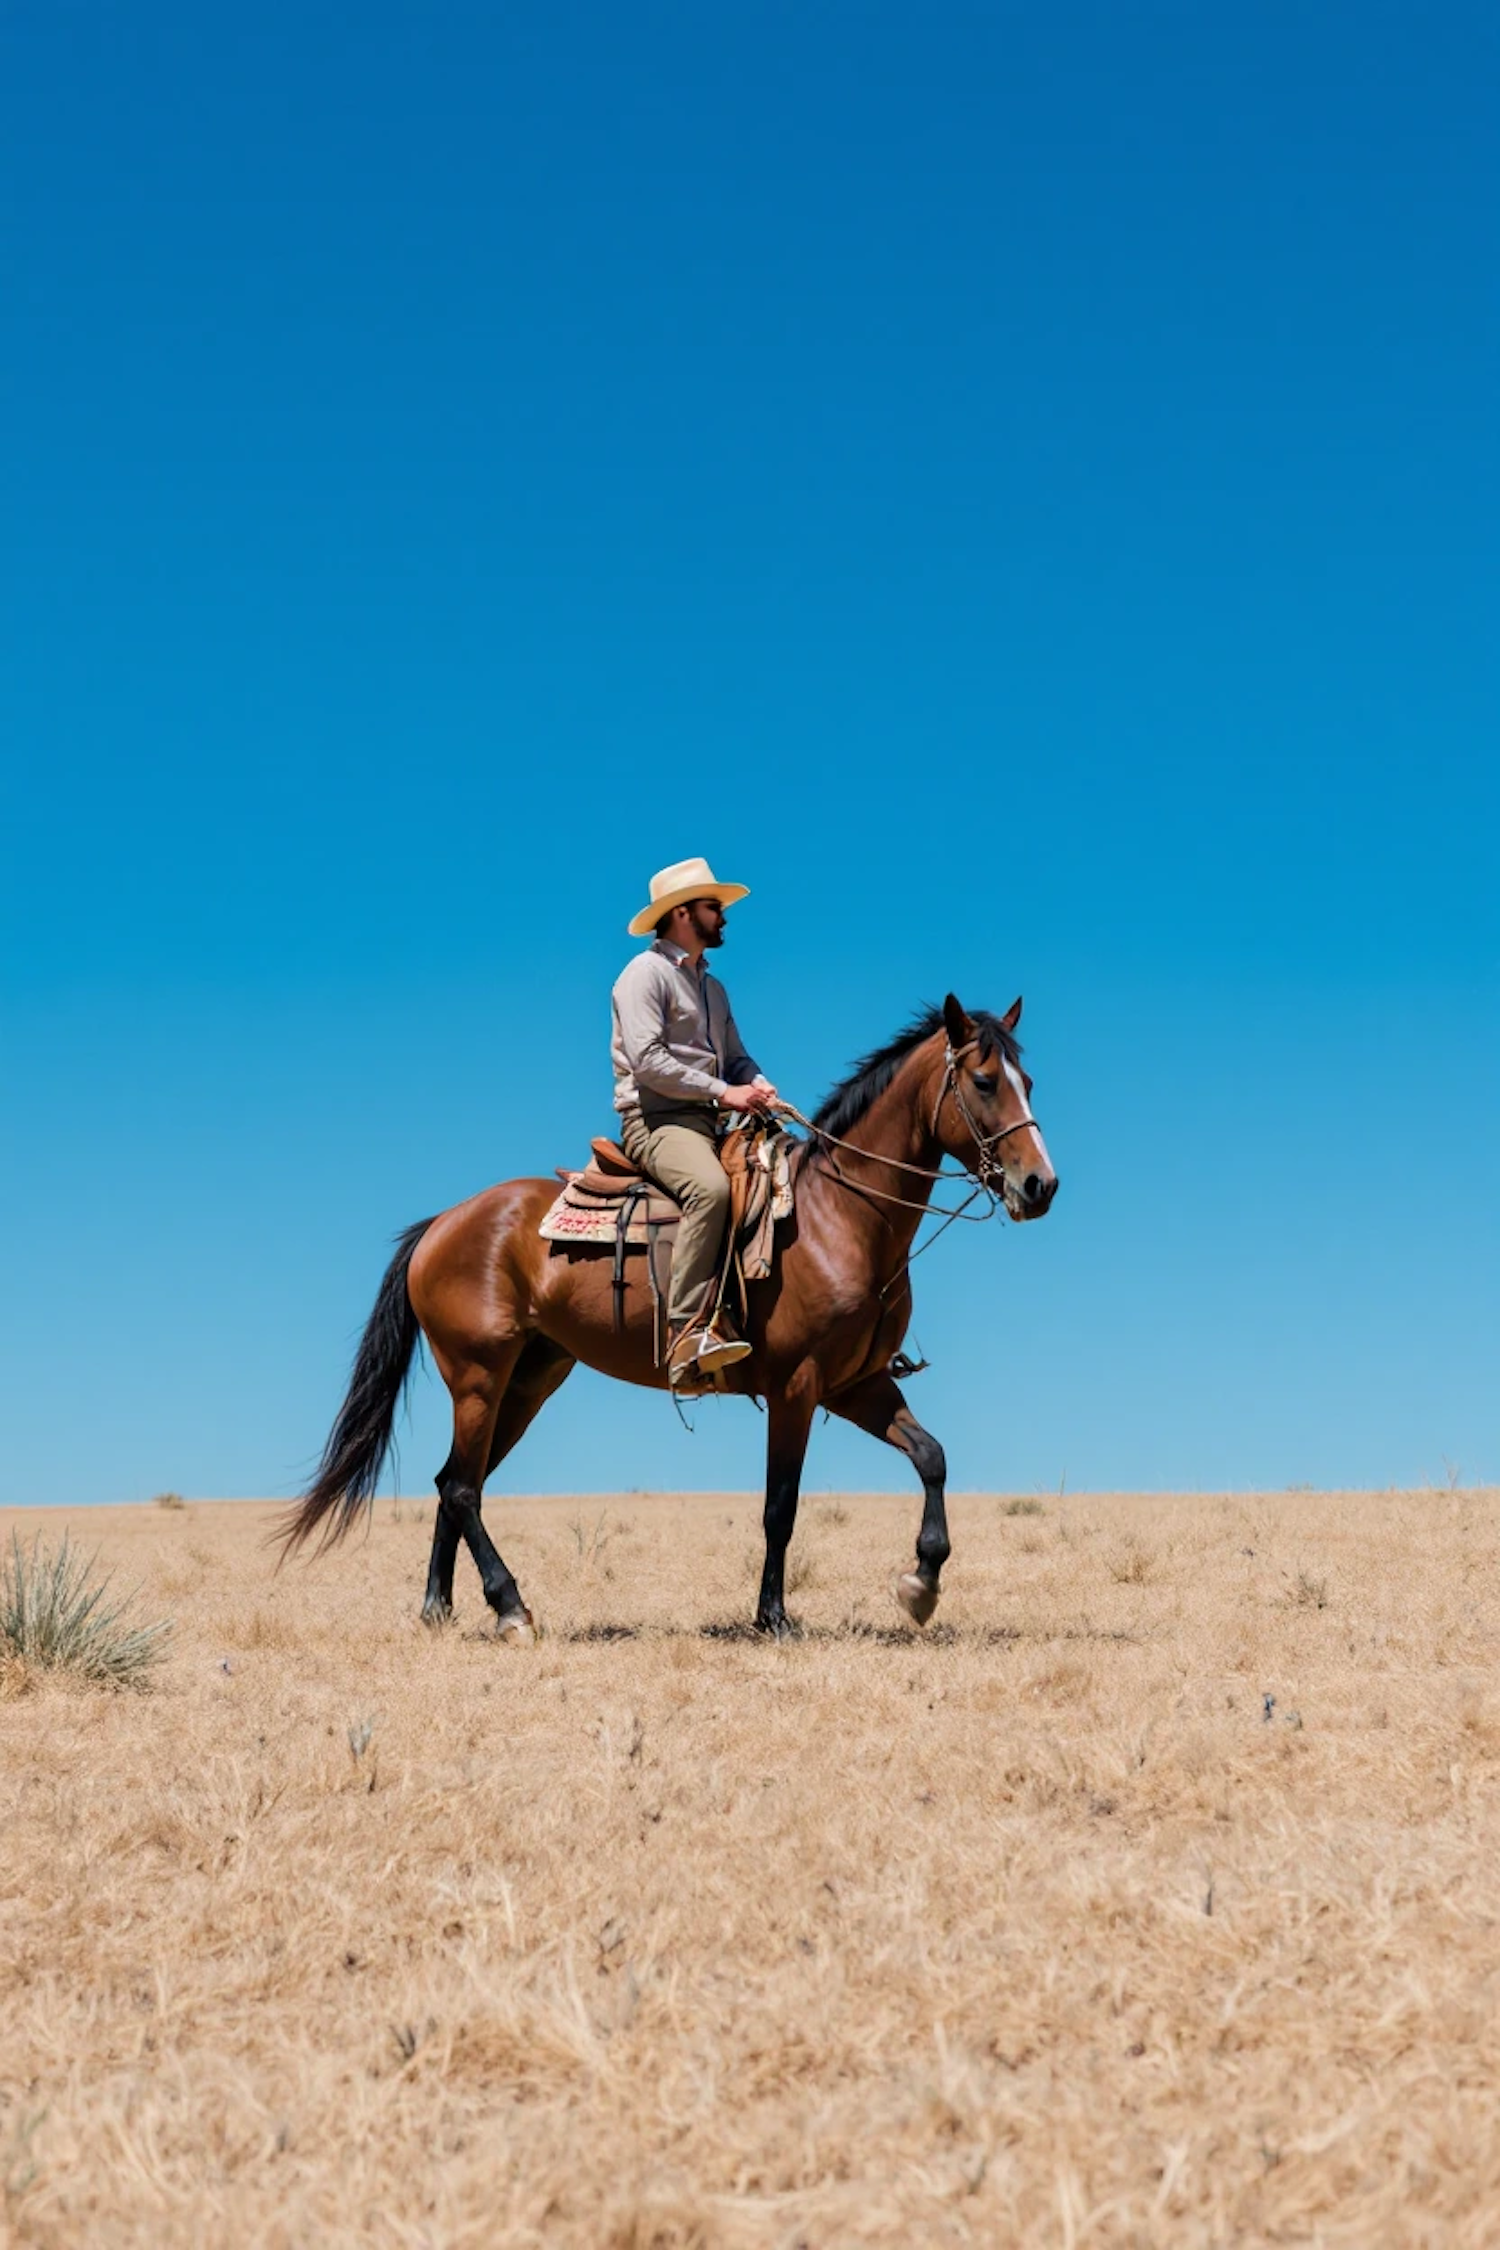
x: 727, y: 894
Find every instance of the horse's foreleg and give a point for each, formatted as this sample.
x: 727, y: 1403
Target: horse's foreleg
x: 876, y: 1405
x: 789, y: 1419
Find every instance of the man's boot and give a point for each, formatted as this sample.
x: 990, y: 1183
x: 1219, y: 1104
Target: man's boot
x: 698, y: 1349
x: 683, y: 1370
x: 720, y: 1346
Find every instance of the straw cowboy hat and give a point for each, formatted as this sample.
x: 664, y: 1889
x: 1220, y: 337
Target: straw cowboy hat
x: 675, y: 885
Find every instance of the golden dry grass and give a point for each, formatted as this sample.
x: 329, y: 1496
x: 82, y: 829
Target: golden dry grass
x: 1046, y: 1928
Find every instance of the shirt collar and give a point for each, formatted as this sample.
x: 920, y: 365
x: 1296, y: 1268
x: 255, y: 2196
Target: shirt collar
x: 676, y: 954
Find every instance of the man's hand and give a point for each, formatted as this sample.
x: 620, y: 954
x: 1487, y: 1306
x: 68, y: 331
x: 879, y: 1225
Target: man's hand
x: 756, y: 1098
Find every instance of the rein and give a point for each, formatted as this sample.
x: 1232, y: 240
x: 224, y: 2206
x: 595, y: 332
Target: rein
x: 982, y: 1173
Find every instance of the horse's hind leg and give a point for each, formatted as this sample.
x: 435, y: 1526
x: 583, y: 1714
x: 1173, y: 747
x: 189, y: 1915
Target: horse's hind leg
x: 478, y: 1388
x: 437, y: 1602
x: 876, y: 1405
x: 477, y: 1391
x: 542, y: 1368
x: 535, y: 1372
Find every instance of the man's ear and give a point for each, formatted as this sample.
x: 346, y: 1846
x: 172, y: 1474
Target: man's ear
x: 1012, y: 1015
x: 960, y: 1030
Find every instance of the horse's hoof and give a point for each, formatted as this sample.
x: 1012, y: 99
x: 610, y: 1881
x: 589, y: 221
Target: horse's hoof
x: 916, y: 1597
x: 437, y: 1614
x: 517, y: 1628
x: 777, y: 1626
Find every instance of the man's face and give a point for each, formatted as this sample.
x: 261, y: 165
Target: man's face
x: 707, y: 918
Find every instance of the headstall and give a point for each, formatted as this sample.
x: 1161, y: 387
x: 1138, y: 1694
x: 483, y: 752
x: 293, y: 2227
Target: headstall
x: 985, y: 1144
x: 983, y: 1172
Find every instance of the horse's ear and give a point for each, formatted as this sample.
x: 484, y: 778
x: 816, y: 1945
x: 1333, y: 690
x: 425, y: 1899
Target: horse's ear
x: 960, y: 1030
x: 1012, y: 1015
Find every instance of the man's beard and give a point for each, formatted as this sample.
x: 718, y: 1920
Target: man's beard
x: 714, y: 934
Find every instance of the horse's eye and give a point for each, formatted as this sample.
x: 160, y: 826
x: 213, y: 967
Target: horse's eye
x: 983, y: 1085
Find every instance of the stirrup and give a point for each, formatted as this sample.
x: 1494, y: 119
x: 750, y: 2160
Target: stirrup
x: 718, y: 1351
x: 685, y: 1370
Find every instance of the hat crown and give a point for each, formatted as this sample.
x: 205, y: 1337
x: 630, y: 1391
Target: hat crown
x: 679, y: 875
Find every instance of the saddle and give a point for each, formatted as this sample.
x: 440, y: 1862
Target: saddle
x: 609, y: 1177
x: 612, y: 1203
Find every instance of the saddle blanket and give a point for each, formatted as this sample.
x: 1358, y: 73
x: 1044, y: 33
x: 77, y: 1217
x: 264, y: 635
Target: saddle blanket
x: 577, y: 1216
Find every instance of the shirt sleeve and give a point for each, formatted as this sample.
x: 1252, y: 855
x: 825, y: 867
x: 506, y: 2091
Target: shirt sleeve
x: 739, y: 1067
x: 641, y: 1007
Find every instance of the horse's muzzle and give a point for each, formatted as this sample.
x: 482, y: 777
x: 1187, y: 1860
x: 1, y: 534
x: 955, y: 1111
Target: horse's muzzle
x: 1032, y: 1196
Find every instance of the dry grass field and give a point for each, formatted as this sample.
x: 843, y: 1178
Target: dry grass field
x: 1152, y: 1897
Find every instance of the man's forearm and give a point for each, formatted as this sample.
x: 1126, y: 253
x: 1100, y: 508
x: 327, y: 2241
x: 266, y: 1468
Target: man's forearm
x: 656, y: 1068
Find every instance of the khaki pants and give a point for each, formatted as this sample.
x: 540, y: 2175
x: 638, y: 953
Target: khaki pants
x: 678, y: 1147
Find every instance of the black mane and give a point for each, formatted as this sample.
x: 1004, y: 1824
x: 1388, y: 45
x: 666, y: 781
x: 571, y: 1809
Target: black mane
x: 843, y: 1108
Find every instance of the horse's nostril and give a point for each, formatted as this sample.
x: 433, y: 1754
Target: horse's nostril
x: 1035, y: 1187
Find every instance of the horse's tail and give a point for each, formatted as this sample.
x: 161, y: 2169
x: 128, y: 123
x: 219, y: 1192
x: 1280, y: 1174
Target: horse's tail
x: 360, y: 1439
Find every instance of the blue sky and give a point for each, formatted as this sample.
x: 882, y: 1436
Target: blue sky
x: 1016, y: 487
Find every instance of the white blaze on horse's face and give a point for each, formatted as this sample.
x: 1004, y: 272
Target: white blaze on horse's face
x: 1029, y: 1180
x: 1019, y: 1084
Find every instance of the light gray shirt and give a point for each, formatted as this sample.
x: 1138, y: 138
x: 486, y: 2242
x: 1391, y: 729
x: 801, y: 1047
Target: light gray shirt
x: 674, y: 1038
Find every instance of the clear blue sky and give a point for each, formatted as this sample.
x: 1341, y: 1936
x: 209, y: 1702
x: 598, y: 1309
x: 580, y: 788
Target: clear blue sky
x: 1016, y: 486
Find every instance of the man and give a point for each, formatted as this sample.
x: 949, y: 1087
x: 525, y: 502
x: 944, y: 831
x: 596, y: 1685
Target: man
x: 680, y: 1069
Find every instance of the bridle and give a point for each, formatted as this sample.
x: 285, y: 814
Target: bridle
x: 983, y: 1172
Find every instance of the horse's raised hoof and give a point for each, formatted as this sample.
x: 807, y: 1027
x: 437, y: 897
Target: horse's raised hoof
x: 916, y: 1597
x: 437, y: 1614
x: 777, y: 1626
x: 517, y: 1628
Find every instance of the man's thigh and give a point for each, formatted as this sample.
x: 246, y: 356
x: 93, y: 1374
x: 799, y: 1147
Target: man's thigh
x: 685, y: 1158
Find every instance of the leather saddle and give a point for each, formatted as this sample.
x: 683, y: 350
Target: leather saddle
x: 610, y: 1203
x: 609, y: 1177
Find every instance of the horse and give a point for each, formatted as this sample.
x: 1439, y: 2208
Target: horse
x: 507, y: 1315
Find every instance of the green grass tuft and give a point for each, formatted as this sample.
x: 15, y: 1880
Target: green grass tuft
x: 55, y: 1618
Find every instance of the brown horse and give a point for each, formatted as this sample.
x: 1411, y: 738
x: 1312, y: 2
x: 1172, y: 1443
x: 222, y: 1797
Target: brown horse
x: 508, y: 1315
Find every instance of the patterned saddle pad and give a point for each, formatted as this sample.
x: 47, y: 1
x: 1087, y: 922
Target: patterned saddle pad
x: 607, y: 1201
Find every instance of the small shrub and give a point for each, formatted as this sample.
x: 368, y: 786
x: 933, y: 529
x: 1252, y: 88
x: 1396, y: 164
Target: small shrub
x: 1310, y: 1592
x: 54, y: 1617
x: 1022, y: 1508
x: 169, y: 1500
x: 361, y: 1735
x: 1132, y: 1566
x: 591, y: 1540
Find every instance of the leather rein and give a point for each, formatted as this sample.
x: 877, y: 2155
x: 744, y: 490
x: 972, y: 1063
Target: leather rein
x: 982, y: 1173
